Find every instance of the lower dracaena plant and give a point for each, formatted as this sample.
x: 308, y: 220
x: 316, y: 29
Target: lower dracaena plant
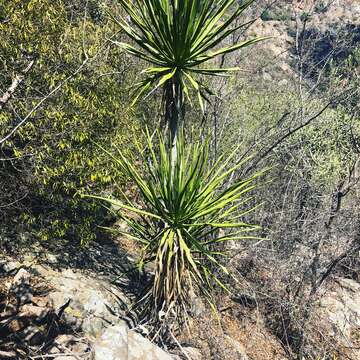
x: 187, y: 211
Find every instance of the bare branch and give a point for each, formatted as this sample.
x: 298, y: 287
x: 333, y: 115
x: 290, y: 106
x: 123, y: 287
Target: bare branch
x: 58, y: 87
x: 14, y: 85
x: 55, y: 90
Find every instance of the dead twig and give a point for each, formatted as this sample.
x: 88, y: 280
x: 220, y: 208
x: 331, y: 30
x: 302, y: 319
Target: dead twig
x: 7, y: 354
x: 14, y: 85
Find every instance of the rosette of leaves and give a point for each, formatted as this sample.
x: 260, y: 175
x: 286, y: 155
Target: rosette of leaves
x: 185, y: 212
x: 177, y: 38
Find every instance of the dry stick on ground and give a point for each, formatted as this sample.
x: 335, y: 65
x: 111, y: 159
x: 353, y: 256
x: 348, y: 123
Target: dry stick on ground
x: 179, y: 345
x: 70, y: 354
x: 15, y: 201
x: 7, y: 354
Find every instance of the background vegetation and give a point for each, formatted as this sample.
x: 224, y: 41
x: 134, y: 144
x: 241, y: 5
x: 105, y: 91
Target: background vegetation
x: 53, y: 156
x: 293, y: 107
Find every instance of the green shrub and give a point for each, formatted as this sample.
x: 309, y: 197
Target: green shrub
x: 53, y: 156
x: 321, y: 7
x: 276, y: 14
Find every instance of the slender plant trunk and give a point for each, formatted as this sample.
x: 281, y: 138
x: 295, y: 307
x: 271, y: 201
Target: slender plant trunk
x: 174, y: 108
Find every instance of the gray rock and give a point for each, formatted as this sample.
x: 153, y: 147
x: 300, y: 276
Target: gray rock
x: 9, y: 266
x: 51, y: 259
x: 342, y: 307
x: 119, y: 343
x: 20, y: 287
x: 93, y: 306
x: 21, y: 277
x: 113, y: 344
x: 140, y: 348
x: 93, y: 302
x: 267, y: 76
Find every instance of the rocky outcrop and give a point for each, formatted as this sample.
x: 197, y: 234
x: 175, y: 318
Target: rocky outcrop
x: 119, y: 343
x: 93, y: 303
x: 92, y: 309
x: 338, y: 314
x: 30, y: 325
x: 75, y: 316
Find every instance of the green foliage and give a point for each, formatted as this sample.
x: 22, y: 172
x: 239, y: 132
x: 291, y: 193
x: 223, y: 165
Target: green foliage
x: 320, y: 153
x: 53, y: 155
x: 305, y: 16
x: 343, y: 72
x: 328, y: 149
x: 321, y: 7
x: 253, y: 113
x: 277, y: 14
x: 178, y: 37
x: 187, y: 212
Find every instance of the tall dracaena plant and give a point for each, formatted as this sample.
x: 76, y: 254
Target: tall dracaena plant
x: 192, y: 203
x: 177, y: 37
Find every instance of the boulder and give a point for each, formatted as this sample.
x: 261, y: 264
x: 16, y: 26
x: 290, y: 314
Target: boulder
x: 341, y: 307
x: 140, y: 348
x: 8, y: 266
x: 112, y: 344
x: 119, y: 343
x: 93, y: 304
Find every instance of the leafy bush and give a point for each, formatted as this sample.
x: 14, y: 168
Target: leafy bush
x: 52, y: 155
x: 276, y: 14
x: 321, y: 7
x: 178, y: 225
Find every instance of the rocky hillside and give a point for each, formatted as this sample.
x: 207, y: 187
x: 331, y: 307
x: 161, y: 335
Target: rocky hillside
x: 47, y: 308
x: 294, y: 106
x: 282, y: 20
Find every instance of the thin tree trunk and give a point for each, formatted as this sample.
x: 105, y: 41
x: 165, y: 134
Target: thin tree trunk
x: 174, y: 102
